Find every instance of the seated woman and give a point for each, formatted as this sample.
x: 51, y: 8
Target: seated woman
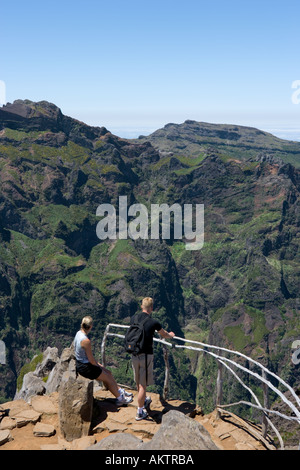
x: 88, y: 367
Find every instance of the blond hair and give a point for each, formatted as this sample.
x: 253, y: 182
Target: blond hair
x: 86, y: 323
x: 147, y: 303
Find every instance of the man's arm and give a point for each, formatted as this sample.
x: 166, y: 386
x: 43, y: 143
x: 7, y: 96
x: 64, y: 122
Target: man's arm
x: 165, y: 334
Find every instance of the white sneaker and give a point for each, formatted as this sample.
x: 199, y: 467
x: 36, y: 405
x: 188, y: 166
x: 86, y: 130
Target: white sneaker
x: 122, y: 400
x: 127, y: 394
x: 141, y: 415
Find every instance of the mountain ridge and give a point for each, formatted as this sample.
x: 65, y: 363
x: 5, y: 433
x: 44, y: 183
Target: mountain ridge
x: 193, y: 137
x: 240, y: 290
x: 247, y: 136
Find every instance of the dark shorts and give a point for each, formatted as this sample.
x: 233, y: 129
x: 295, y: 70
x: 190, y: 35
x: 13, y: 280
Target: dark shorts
x: 88, y: 370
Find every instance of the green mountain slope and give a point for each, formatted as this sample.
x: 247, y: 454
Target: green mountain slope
x: 243, y: 143
x: 241, y: 290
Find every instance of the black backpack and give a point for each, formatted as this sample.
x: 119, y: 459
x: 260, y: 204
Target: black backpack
x: 135, y: 337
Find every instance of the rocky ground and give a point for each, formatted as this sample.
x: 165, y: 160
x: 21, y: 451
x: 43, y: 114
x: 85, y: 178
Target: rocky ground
x: 35, y: 425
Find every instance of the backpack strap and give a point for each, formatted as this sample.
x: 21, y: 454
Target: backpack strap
x: 135, y: 322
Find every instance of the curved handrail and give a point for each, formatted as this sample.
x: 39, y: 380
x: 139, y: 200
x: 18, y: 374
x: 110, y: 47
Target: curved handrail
x: 225, y: 362
x: 248, y: 359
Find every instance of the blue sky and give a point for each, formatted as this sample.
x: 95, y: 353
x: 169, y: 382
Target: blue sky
x: 134, y: 66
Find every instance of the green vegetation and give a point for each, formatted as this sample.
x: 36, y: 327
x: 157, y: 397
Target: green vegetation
x: 240, y: 291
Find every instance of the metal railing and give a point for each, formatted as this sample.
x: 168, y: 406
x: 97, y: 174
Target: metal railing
x: 217, y: 353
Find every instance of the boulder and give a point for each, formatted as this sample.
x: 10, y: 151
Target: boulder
x: 119, y: 441
x: 52, y: 367
x: 50, y: 358
x: 7, y: 423
x: 5, y: 436
x: 177, y: 432
x: 16, y: 406
x: 27, y: 416
x: 61, y: 366
x: 75, y: 406
x: 180, y: 432
x: 32, y: 385
x: 43, y: 430
x: 44, y: 404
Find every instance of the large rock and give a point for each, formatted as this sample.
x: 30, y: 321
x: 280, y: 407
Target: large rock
x: 119, y: 441
x: 50, y: 358
x: 5, y: 436
x: 44, y: 404
x: 177, y: 432
x: 180, y: 432
x: 60, y: 367
x: 26, y: 416
x: 52, y: 367
x: 75, y: 406
x: 32, y: 385
x: 43, y: 430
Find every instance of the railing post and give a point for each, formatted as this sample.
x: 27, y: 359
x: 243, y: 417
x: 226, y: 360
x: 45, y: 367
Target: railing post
x: 167, y: 373
x: 266, y: 405
x: 103, y: 355
x: 219, y: 386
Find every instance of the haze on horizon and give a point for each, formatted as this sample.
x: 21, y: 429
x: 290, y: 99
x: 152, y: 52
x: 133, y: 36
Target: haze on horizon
x: 135, y: 66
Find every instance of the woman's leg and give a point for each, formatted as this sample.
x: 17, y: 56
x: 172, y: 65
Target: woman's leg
x: 141, y: 395
x: 108, y: 379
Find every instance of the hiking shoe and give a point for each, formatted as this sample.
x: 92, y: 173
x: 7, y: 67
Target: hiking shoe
x: 148, y: 400
x: 127, y: 394
x: 122, y: 400
x: 141, y: 415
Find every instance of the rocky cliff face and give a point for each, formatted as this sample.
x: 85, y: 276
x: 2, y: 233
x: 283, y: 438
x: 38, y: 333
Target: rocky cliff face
x: 241, y: 290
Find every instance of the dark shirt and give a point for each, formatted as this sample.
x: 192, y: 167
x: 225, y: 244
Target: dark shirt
x: 150, y: 326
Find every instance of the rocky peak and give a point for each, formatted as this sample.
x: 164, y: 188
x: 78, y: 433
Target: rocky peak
x: 28, y: 116
x: 29, y: 109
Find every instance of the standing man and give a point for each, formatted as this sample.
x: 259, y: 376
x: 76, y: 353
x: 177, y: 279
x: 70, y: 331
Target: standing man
x: 143, y: 363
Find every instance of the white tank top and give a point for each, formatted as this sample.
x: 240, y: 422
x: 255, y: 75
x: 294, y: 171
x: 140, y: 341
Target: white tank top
x: 80, y: 353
